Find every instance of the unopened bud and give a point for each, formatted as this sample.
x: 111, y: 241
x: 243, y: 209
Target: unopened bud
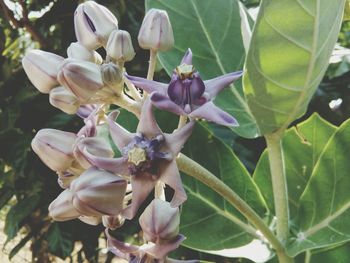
x: 160, y: 222
x: 97, y: 192
x: 82, y: 78
x: 156, y: 32
x: 93, y: 24
x: 80, y: 52
x: 119, y: 46
x: 55, y: 148
x: 65, y: 178
x: 95, y: 146
x: 113, y: 222
x: 41, y: 69
x: 61, y: 209
x: 64, y: 100
x: 111, y: 74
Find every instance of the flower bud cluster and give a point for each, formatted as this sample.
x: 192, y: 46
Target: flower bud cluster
x: 102, y: 188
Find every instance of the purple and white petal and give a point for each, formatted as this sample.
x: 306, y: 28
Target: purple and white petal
x: 164, y: 103
x: 210, y: 112
x: 114, y: 165
x: 142, y: 186
x: 119, y: 248
x: 148, y: 125
x: 187, y: 58
x: 170, y: 175
x: 148, y: 85
x: 159, y: 251
x: 215, y: 85
x: 120, y: 136
x: 177, y: 139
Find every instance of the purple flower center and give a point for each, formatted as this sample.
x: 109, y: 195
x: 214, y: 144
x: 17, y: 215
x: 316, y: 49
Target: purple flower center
x: 143, y: 154
x: 186, y: 88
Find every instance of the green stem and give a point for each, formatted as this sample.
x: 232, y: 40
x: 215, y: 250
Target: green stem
x: 182, y: 121
x: 152, y: 64
x: 197, y: 171
x: 279, y: 185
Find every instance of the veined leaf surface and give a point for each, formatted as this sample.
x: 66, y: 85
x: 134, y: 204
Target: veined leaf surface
x: 288, y: 56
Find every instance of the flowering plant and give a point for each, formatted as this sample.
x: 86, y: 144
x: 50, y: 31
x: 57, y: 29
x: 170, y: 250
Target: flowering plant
x: 110, y: 181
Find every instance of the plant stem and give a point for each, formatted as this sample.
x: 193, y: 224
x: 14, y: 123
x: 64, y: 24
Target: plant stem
x: 182, y: 121
x: 279, y: 185
x: 197, y: 171
x: 152, y: 64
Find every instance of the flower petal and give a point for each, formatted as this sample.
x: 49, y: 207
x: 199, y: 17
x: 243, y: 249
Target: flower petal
x: 159, y: 251
x: 119, y: 248
x: 215, y: 85
x: 148, y: 85
x: 213, y: 113
x: 90, y: 220
x: 170, y: 175
x: 142, y: 186
x: 177, y: 139
x: 164, y: 103
x: 148, y: 125
x: 120, y: 136
x: 187, y: 58
x: 114, y: 165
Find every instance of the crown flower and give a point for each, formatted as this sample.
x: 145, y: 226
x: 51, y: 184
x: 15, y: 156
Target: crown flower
x: 188, y: 95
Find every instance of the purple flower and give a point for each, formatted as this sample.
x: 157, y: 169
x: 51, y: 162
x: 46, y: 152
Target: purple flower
x: 147, y: 156
x: 187, y: 94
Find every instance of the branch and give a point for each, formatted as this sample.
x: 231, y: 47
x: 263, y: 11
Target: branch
x: 24, y: 22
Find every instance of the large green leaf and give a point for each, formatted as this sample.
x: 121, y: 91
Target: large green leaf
x: 301, y: 147
x: 288, y: 56
x: 60, y: 242
x: 212, y: 29
x: 206, y: 208
x: 324, y: 214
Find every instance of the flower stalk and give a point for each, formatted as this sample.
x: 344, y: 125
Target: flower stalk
x: 192, y: 168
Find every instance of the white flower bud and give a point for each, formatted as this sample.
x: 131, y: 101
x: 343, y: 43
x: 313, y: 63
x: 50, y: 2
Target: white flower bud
x: 160, y: 221
x: 156, y: 32
x: 93, y: 24
x: 61, y: 209
x: 55, y: 148
x: 80, y: 52
x: 41, y: 69
x: 64, y: 100
x: 119, y: 46
x: 97, y: 192
x: 82, y: 78
x: 90, y: 220
x: 111, y: 74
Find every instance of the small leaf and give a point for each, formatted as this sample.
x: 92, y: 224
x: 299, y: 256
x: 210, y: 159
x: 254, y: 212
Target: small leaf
x: 17, y: 213
x: 20, y: 245
x: 324, y: 214
x: 288, y: 56
x: 60, y: 242
x: 217, y: 46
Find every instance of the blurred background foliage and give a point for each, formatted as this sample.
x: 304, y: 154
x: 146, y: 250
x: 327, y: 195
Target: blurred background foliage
x: 27, y: 186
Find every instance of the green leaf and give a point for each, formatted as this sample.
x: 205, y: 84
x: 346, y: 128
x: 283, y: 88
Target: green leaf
x: 206, y: 208
x: 60, y: 242
x: 217, y: 46
x: 338, y: 254
x: 324, y: 214
x: 20, y: 245
x: 288, y: 56
x: 17, y: 213
x: 301, y: 147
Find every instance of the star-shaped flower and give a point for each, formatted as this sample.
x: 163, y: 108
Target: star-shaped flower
x: 187, y: 94
x: 147, y: 157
